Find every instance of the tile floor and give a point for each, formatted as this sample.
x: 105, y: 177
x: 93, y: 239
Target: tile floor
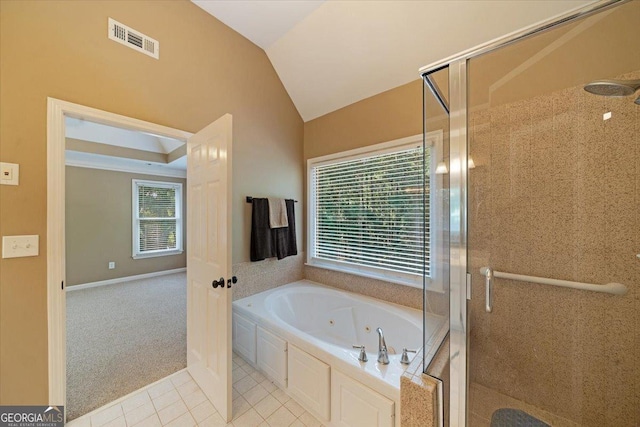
x: 178, y: 401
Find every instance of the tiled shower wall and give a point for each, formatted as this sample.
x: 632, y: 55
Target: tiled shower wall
x: 556, y: 193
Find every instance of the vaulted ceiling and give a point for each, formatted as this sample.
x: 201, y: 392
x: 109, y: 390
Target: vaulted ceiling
x: 330, y: 54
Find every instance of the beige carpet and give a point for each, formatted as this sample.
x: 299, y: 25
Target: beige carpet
x: 122, y: 337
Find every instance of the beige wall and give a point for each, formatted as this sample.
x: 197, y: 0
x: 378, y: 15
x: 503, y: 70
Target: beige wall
x: 384, y: 117
x: 60, y: 49
x: 556, y: 193
x: 99, y: 226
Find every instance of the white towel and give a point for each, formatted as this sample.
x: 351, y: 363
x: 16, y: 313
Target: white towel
x: 278, y: 213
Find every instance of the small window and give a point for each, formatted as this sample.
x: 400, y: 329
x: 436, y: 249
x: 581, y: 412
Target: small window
x: 366, y: 213
x: 157, y: 218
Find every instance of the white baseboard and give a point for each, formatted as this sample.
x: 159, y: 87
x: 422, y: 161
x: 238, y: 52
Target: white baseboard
x: 124, y: 279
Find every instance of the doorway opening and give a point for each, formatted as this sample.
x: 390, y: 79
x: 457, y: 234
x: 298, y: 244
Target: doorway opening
x: 205, y: 242
x: 125, y: 227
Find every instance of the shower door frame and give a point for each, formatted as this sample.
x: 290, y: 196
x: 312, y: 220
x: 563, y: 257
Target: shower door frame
x: 459, y: 286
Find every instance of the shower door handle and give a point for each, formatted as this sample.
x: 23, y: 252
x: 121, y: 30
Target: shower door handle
x: 488, y: 288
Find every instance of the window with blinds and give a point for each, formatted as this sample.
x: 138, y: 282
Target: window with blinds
x: 368, y: 213
x: 157, y: 224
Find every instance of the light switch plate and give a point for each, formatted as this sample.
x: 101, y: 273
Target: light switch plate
x: 9, y: 173
x: 20, y: 246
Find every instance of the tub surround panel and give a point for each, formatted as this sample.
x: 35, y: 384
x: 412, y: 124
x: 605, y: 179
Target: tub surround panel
x: 419, y: 402
x: 556, y: 193
x: 391, y: 292
x: 356, y: 405
x: 419, y: 391
x: 256, y: 277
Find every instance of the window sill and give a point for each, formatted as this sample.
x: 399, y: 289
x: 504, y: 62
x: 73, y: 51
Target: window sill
x: 156, y: 254
x: 374, y: 275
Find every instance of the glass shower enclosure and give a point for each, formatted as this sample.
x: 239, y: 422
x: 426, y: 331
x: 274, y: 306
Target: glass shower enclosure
x: 543, y: 170
x: 436, y: 210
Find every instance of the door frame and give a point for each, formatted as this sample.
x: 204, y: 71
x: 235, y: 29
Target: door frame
x: 57, y: 110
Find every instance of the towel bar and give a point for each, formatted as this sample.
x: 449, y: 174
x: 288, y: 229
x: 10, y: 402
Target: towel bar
x: 250, y: 199
x: 490, y: 274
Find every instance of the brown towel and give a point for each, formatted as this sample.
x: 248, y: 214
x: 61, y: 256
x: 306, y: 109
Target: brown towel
x: 267, y: 242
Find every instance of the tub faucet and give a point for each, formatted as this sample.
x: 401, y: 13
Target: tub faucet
x: 383, y: 356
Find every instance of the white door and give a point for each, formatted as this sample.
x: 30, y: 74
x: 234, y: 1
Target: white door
x: 208, y: 260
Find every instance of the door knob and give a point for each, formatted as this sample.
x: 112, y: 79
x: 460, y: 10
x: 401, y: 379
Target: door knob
x: 217, y: 283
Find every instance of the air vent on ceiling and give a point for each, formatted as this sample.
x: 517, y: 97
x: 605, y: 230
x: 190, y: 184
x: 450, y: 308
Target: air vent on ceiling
x: 133, y: 39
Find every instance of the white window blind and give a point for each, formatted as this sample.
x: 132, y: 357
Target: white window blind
x: 157, y: 217
x: 369, y: 211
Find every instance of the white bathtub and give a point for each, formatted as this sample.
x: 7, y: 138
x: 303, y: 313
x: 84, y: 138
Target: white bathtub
x: 326, y: 322
x: 343, y: 319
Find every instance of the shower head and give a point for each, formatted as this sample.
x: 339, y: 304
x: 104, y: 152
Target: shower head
x: 637, y: 101
x: 613, y: 87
